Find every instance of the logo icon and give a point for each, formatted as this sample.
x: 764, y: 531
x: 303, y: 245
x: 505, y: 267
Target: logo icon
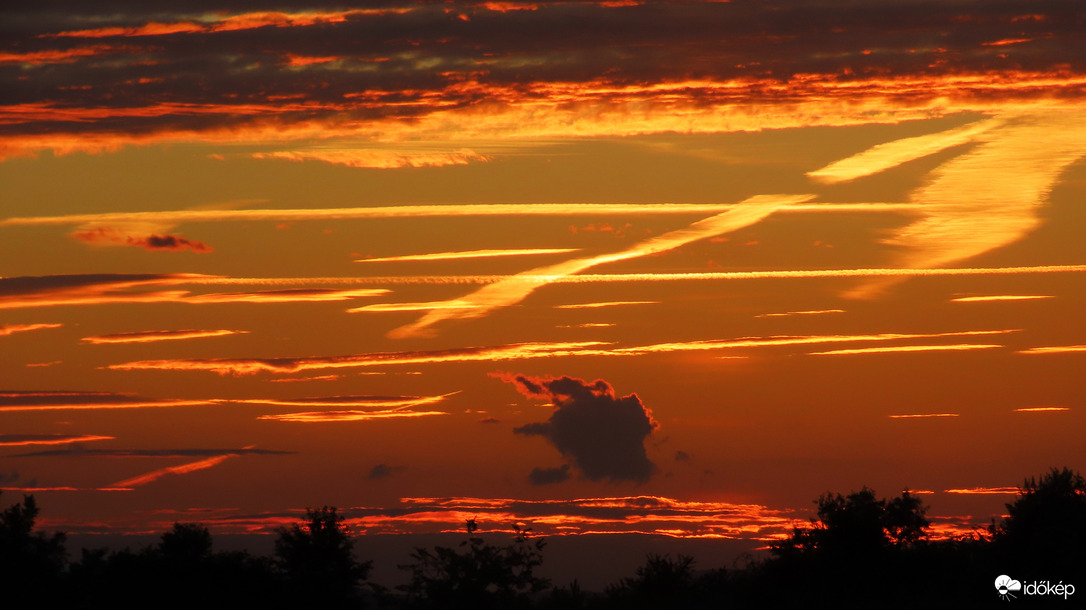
x: 1005, y: 585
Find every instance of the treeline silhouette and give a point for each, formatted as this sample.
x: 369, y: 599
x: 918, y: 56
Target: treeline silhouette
x: 860, y: 552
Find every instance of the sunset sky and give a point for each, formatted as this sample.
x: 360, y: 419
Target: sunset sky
x: 672, y: 268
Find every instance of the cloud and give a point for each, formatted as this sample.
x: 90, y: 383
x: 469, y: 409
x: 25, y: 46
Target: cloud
x: 984, y: 491
x: 78, y: 451
x: 407, y: 211
x: 515, y: 289
x: 8, y: 329
x: 987, y: 197
x: 922, y: 415
x: 248, y: 366
x: 596, y: 278
x: 1001, y: 297
x: 379, y: 159
x: 346, y: 416
x: 411, y: 72
x: 549, y: 476
x: 812, y: 312
x: 682, y: 456
x: 375, y: 402
x: 603, y: 436
x: 514, y: 351
x: 380, y: 471
x: 906, y: 348
x: 437, y: 256
x: 16, y: 440
x: 180, y: 469
x: 1042, y: 409
x: 53, y: 290
x: 109, y: 236
x: 148, y: 336
x: 349, y: 408
x: 18, y: 400
x: 87, y: 289
x: 604, y: 304
x: 1055, y: 349
x: 891, y: 154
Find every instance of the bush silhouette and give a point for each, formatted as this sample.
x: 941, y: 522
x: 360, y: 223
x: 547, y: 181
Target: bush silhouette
x: 30, y: 562
x: 317, y: 561
x: 478, y: 577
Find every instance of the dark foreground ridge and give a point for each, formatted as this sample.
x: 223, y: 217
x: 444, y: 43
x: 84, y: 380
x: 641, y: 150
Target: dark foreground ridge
x: 861, y: 552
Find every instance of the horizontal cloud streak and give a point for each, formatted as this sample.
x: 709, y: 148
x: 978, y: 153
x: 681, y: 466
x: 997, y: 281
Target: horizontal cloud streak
x: 346, y: 416
x: 1004, y: 297
x: 1055, y: 349
x: 149, y: 336
x: 604, y: 304
x: 515, y: 351
x: 923, y: 415
x: 906, y: 348
x: 984, y: 491
x: 9, y: 329
x: 12, y: 401
x: 18, y: 440
x: 379, y: 159
x: 376, y: 402
x: 76, y: 451
x: 59, y: 290
x: 440, y: 256
x: 426, y: 211
x: 810, y: 312
x: 225, y: 366
x: 590, y: 278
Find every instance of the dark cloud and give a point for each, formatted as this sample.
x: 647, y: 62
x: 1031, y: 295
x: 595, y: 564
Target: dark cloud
x: 603, y: 436
x: 147, y: 242
x: 380, y: 471
x: 171, y: 242
x: 32, y: 285
x: 408, y: 62
x: 682, y: 456
x: 490, y: 420
x: 25, y: 398
x: 549, y: 476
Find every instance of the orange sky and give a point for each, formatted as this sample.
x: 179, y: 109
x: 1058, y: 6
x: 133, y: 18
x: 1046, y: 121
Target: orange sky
x: 699, y: 261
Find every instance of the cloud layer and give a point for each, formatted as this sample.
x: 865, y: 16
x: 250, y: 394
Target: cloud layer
x: 102, y: 76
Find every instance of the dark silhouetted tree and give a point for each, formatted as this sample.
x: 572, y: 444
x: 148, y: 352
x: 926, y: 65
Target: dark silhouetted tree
x: 317, y: 560
x: 31, y: 563
x: 478, y: 577
x: 859, y: 524
x: 859, y: 538
x: 186, y: 542
x: 662, y: 582
x: 1045, y: 527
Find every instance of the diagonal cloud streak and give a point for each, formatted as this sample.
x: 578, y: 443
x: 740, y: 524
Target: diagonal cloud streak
x: 983, y: 199
x: 514, y: 289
